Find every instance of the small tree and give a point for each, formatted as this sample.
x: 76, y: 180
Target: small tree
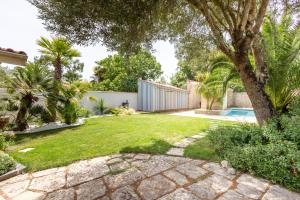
x: 59, y: 53
x: 28, y: 82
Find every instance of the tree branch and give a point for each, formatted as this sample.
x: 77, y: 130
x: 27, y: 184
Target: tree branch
x: 261, y: 67
x: 260, y: 16
x: 245, y: 14
x: 204, y: 9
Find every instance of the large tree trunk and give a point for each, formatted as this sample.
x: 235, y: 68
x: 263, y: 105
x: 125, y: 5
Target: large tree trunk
x: 261, y: 102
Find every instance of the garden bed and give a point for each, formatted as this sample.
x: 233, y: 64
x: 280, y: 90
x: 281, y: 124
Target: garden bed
x: 18, y: 170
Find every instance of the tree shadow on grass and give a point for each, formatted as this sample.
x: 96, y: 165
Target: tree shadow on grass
x: 21, y: 137
x: 157, y: 147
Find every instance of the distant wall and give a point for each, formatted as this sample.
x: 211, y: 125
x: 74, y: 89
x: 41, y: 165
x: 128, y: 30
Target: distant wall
x: 111, y: 99
x: 194, y: 96
x: 236, y: 99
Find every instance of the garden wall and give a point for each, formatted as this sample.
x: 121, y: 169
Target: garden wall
x: 236, y: 99
x: 111, y: 99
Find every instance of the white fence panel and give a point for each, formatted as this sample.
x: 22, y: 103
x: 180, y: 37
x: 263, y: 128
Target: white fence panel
x: 154, y: 97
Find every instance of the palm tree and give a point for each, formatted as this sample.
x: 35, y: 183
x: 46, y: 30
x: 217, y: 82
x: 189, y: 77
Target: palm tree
x: 59, y: 52
x: 28, y: 82
x: 282, y: 54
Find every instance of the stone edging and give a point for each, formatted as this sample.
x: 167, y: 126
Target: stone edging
x: 17, y: 171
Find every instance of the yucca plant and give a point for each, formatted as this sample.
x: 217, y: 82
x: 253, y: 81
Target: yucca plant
x: 27, y: 82
x: 100, y: 105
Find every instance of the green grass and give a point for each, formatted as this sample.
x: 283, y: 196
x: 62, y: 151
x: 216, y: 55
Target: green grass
x: 149, y: 133
x: 201, y: 149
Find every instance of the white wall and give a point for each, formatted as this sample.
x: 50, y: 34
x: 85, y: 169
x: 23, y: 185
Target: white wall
x: 111, y: 99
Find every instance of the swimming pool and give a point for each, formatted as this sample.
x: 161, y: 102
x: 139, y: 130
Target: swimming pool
x: 239, y: 112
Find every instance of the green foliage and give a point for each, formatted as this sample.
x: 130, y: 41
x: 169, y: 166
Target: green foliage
x: 184, y: 72
x: 122, y: 111
x: 264, y: 151
x: 121, y: 73
x: 282, y: 55
x: 73, y: 71
x: 6, y: 163
x: 100, y: 107
x: 3, y: 143
x: 40, y: 112
x: 26, y: 83
x: 82, y: 112
x: 68, y: 106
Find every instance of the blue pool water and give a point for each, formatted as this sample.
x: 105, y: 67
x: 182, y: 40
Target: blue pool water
x: 238, y: 112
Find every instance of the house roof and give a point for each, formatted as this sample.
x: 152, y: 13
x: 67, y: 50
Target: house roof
x: 11, y: 56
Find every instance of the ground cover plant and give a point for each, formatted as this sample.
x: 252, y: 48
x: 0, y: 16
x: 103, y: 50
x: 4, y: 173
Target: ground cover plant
x: 148, y: 133
x: 271, y: 151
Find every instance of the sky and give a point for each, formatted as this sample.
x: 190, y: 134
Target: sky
x: 20, y: 28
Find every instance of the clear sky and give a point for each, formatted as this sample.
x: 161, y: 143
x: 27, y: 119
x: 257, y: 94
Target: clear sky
x: 20, y: 28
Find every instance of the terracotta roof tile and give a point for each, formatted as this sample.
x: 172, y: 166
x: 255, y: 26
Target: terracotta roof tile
x: 13, y: 51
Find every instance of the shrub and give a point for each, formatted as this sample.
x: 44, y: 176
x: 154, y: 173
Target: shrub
x: 6, y: 163
x: 122, y: 111
x: 264, y: 151
x: 5, y: 140
x: 83, y: 112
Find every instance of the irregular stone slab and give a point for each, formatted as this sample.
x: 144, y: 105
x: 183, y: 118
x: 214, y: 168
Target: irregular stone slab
x: 248, y: 191
x: 172, y: 160
x: 278, y: 193
x: 48, y: 172
x: 256, y: 183
x: 119, y: 166
x: 198, y: 137
x: 48, y: 183
x: 68, y: 194
x: 91, y: 190
x: 84, y: 171
x: 198, y: 162
x: 114, y: 160
x: 124, y: 193
x: 191, y: 171
x: 26, y: 150
x: 230, y: 195
x: 128, y: 155
x: 16, y: 188
x: 176, y: 177
x: 153, y: 167
x: 15, y: 179
x: 210, y: 187
x: 176, y: 152
x: 180, y: 194
x: 185, y: 142
x: 30, y: 195
x: 126, y: 178
x: 142, y: 156
x: 216, y: 168
x: 155, y: 187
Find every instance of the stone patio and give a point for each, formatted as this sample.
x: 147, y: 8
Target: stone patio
x: 138, y: 177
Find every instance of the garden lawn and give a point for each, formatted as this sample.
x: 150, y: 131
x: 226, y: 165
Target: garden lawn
x: 149, y: 133
x: 202, y: 149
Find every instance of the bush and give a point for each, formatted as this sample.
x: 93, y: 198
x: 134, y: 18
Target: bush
x: 82, y: 112
x: 5, y: 140
x: 6, y: 163
x: 264, y: 151
x: 122, y: 111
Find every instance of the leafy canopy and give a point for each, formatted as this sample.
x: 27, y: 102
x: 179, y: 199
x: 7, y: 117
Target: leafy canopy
x: 121, y: 73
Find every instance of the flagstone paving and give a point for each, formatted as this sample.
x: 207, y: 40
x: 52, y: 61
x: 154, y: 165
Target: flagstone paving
x: 140, y: 177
